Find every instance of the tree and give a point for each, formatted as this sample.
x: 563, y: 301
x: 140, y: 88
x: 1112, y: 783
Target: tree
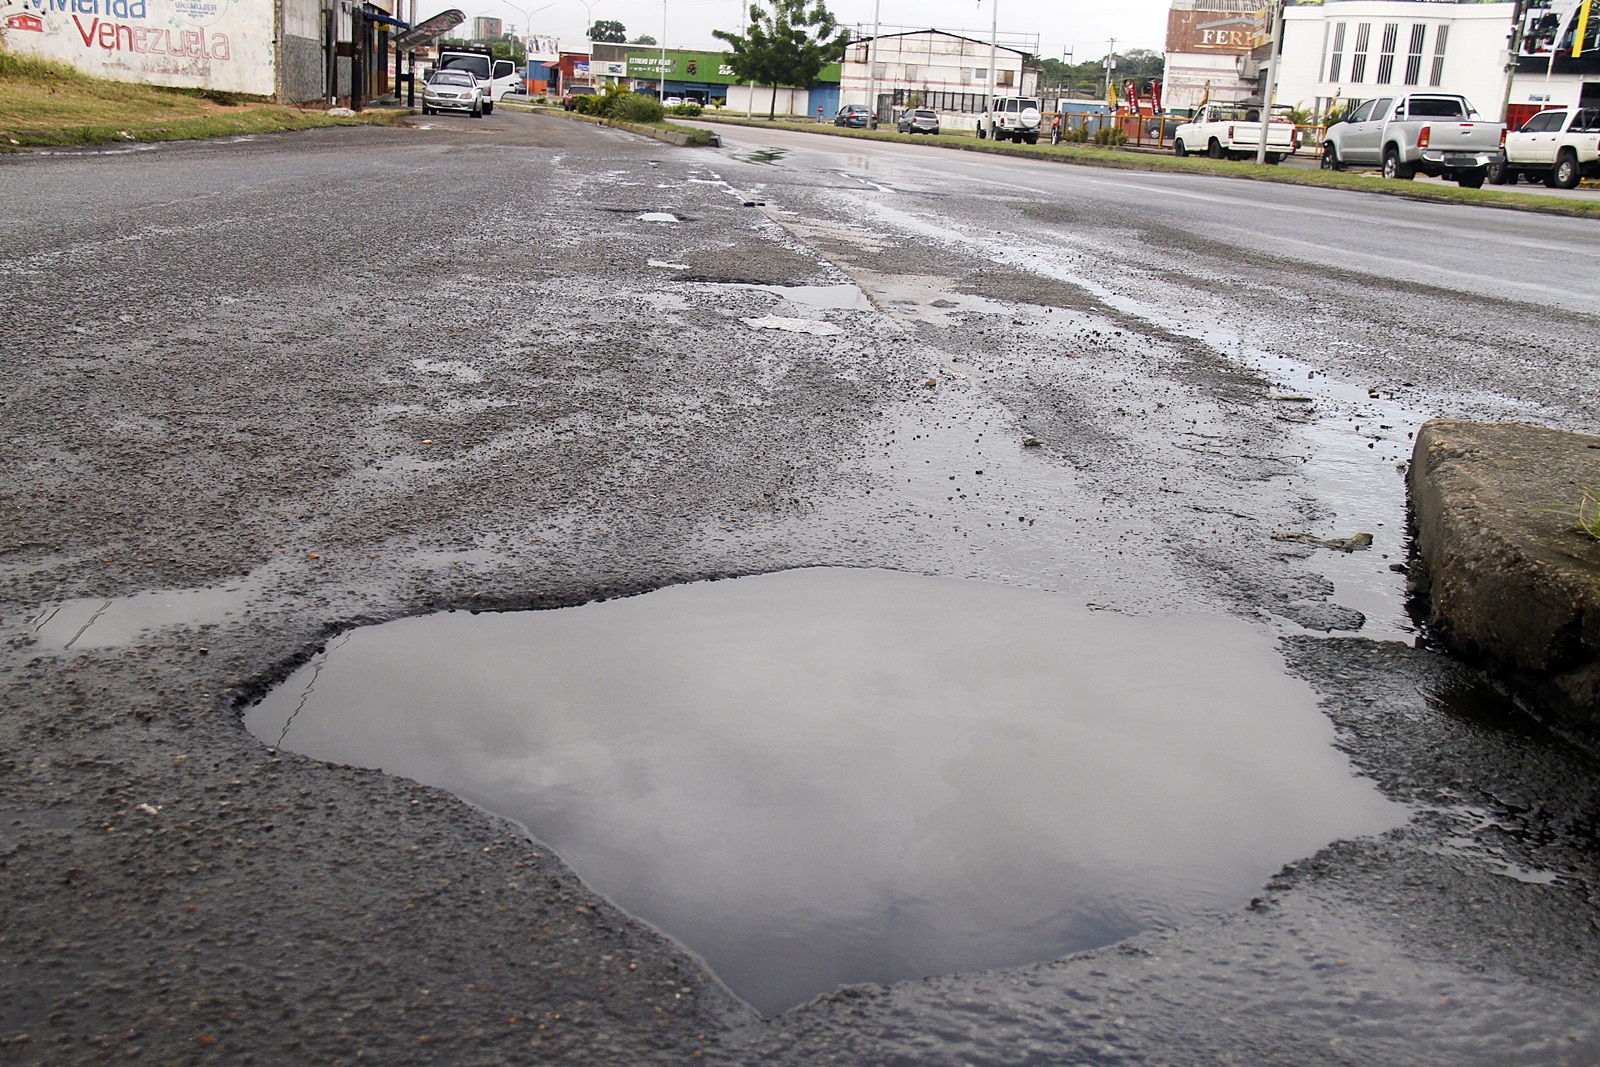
x: 609, y: 31
x: 643, y: 38
x: 788, y: 45
x: 1088, y: 78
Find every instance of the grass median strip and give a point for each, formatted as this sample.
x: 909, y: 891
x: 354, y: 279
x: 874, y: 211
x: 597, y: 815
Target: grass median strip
x: 1153, y: 162
x: 671, y: 132
x: 46, y: 103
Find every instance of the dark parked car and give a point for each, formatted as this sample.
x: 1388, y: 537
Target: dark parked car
x: 919, y: 120
x: 853, y: 115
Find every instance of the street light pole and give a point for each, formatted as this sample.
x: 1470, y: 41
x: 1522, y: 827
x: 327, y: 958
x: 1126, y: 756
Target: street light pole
x: 663, y: 92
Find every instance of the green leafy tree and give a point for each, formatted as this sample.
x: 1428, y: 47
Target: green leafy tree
x: 609, y: 31
x: 1088, y: 78
x: 787, y: 45
x: 643, y: 38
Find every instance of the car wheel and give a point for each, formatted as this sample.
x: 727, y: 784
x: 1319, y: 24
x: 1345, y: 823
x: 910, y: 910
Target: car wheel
x: 1178, y: 149
x: 1273, y: 159
x: 426, y: 110
x: 1496, y: 172
x: 1393, y: 168
x: 1566, y: 172
x: 1033, y: 138
x: 1471, y: 179
x: 981, y: 134
x: 1330, y: 157
x: 1214, y: 149
x: 488, y: 107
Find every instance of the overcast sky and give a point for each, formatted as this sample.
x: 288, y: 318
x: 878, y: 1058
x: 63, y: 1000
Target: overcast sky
x: 1080, y: 26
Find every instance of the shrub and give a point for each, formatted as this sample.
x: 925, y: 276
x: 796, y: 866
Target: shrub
x: 587, y: 105
x: 1110, y: 136
x: 633, y: 107
x: 688, y: 109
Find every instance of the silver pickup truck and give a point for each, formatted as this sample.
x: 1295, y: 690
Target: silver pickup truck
x: 1438, y: 134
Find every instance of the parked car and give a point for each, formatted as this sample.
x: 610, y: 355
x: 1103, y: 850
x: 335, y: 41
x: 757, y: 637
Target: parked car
x: 1015, y: 118
x: 853, y: 115
x: 672, y: 101
x: 919, y: 120
x: 453, y: 90
x: 569, y: 99
x: 1439, y: 134
x: 1560, y: 147
x: 496, y: 77
x: 1229, y: 131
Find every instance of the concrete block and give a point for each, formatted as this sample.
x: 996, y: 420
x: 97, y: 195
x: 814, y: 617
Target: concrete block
x: 1510, y: 583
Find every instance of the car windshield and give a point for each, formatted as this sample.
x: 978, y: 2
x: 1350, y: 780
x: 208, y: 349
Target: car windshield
x: 478, y: 65
x: 450, y: 77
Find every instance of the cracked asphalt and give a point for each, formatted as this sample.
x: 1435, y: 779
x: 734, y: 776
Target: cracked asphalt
x: 259, y: 391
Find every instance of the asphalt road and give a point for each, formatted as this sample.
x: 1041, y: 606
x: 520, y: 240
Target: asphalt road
x: 260, y: 390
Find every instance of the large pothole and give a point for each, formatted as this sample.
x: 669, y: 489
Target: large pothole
x: 828, y: 776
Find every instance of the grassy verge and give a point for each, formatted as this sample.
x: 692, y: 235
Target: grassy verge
x: 45, y: 103
x: 1120, y: 159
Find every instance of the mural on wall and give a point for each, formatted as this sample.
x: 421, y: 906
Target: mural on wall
x: 205, y: 44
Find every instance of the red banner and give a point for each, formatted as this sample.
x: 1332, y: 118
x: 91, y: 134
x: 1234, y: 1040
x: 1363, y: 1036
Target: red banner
x: 1155, y: 95
x: 1130, y: 89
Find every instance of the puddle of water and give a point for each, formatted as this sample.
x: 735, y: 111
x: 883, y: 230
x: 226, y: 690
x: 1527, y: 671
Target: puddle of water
x: 790, y: 325
x: 96, y: 623
x: 828, y: 776
x: 657, y: 216
x: 838, y: 297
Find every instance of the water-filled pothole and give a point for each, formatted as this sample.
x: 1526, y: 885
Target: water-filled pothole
x: 827, y: 776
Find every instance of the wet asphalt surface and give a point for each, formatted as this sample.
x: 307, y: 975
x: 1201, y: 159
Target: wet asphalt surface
x: 348, y: 376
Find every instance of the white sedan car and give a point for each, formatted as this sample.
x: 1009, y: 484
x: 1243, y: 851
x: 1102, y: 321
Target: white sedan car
x: 452, y: 90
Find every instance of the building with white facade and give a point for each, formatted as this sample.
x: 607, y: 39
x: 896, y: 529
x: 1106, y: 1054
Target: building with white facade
x: 1346, y: 50
x: 946, y: 71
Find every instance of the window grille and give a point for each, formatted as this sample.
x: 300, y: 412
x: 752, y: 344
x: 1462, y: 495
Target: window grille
x: 1414, y: 58
x: 1391, y: 33
x: 1441, y: 35
x: 1358, y: 61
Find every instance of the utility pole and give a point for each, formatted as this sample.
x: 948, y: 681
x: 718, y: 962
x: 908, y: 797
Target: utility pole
x: 872, y: 59
x: 1518, y: 14
x: 994, y: 42
x: 1111, y: 61
x: 1272, y: 79
x: 750, y: 101
x: 663, y: 96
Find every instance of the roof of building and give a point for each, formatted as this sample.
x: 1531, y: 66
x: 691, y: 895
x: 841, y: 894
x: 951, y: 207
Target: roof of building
x: 943, y: 33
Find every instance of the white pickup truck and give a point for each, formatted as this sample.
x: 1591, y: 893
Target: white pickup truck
x: 1229, y: 131
x: 1439, y: 134
x: 1561, y: 146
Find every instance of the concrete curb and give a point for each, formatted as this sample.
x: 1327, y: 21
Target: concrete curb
x: 1509, y: 581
